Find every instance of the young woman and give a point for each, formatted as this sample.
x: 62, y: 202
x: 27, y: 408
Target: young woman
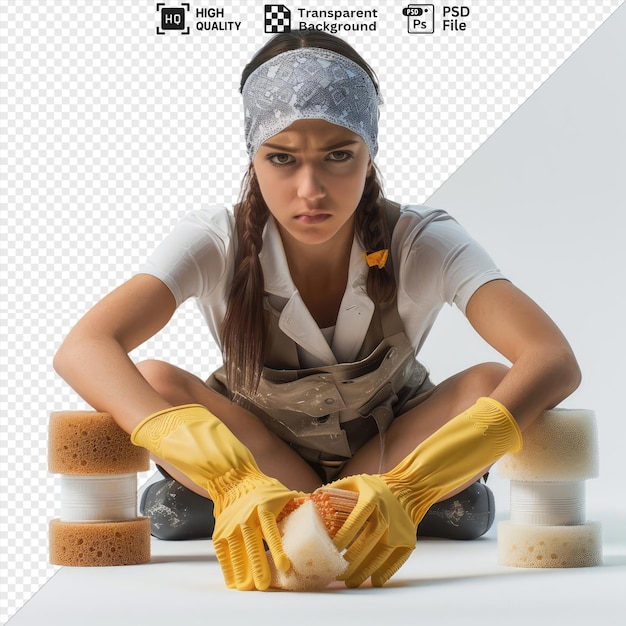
x: 320, y: 293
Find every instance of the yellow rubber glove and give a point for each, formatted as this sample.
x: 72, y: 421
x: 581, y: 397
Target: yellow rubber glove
x: 450, y: 457
x: 246, y: 501
x: 379, y: 534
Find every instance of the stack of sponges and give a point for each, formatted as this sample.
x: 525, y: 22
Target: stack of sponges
x: 98, y: 466
x: 547, y: 526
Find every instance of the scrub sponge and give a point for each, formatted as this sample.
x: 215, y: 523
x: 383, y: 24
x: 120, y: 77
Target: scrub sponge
x: 307, y: 526
x: 315, y: 562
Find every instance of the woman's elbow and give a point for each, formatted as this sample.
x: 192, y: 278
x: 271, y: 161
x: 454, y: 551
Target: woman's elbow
x: 569, y: 372
x: 68, y: 354
x: 576, y: 374
x: 61, y: 359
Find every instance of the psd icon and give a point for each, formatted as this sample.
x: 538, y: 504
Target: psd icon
x: 173, y: 18
x: 420, y: 18
x: 277, y: 18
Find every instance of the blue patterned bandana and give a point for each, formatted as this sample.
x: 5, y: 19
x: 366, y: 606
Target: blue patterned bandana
x: 309, y: 83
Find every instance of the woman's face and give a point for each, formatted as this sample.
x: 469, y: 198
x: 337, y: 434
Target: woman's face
x: 312, y: 176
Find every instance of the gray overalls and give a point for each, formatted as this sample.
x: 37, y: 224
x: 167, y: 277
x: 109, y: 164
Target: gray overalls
x: 327, y: 413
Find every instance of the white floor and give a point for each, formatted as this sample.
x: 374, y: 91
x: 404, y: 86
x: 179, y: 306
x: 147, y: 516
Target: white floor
x: 444, y: 583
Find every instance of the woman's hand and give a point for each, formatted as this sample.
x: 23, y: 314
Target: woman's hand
x: 379, y: 534
x: 381, y: 531
x: 246, y: 501
x: 242, y: 527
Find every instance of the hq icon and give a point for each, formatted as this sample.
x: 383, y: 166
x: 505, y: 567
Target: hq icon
x: 172, y: 18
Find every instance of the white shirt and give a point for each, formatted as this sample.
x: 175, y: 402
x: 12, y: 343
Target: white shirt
x: 434, y: 258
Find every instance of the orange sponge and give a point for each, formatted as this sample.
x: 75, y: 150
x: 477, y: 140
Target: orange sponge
x: 100, y: 543
x: 88, y: 442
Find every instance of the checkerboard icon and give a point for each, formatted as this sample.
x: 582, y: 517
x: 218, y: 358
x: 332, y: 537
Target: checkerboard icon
x: 277, y: 18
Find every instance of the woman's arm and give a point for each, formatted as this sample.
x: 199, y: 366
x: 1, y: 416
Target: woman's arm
x: 544, y: 369
x: 94, y: 360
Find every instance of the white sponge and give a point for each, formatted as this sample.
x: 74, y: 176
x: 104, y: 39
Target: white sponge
x: 547, y: 526
x: 561, y: 445
x: 523, y: 545
x: 315, y: 562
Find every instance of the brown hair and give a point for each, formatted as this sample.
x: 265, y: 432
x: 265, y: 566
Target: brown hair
x: 244, y: 332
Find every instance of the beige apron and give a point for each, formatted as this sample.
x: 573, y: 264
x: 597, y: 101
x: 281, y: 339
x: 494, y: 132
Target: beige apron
x: 327, y: 413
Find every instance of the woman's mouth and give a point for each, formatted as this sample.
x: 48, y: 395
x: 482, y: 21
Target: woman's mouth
x: 312, y: 218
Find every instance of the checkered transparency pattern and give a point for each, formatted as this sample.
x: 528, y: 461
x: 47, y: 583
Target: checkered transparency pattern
x: 111, y: 132
x: 277, y: 19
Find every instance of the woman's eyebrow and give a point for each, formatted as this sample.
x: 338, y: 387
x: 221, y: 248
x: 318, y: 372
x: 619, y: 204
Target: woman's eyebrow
x: 340, y: 144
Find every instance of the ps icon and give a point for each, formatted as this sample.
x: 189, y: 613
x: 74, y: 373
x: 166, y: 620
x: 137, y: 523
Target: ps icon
x: 420, y: 18
x: 277, y: 18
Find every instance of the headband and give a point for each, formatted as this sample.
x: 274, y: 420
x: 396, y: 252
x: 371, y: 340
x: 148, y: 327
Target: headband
x: 309, y: 83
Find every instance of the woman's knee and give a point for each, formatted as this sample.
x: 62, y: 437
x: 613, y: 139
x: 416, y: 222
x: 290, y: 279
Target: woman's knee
x: 482, y: 379
x: 169, y: 381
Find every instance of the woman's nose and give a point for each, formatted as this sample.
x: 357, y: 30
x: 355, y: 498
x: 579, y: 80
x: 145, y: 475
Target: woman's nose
x: 310, y: 185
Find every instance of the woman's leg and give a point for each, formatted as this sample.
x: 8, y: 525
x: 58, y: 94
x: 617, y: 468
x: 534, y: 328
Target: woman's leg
x: 275, y: 457
x: 440, y: 405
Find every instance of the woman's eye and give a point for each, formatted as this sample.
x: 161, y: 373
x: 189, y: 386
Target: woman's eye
x: 280, y: 159
x: 340, y: 155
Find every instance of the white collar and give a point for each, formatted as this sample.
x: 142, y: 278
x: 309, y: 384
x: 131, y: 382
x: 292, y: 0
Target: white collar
x: 355, y: 312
